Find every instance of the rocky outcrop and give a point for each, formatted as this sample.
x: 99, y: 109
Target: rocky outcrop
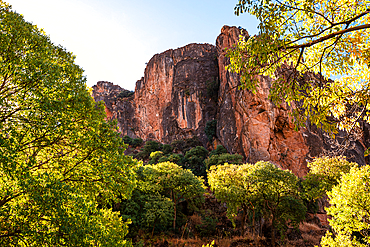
x: 251, y: 124
x: 172, y: 99
x: 179, y: 94
x: 116, y: 106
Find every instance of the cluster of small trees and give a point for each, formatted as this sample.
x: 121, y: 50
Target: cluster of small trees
x: 282, y: 198
x: 160, y: 189
x: 188, y: 153
x: 255, y: 191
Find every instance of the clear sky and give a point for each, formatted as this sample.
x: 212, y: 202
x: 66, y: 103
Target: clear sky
x: 113, y: 39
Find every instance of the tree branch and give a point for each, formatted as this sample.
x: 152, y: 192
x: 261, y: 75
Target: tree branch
x: 329, y: 36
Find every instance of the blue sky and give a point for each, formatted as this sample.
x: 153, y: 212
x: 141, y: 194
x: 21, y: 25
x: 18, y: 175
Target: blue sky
x: 113, y: 39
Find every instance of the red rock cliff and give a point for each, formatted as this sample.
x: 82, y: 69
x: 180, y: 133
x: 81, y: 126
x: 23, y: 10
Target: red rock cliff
x: 175, y: 100
x: 250, y: 123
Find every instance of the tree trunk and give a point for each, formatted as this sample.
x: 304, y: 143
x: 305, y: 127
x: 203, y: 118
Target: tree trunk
x: 254, y: 228
x: 174, y: 218
x: 273, y: 231
x: 174, y: 207
x: 243, y: 222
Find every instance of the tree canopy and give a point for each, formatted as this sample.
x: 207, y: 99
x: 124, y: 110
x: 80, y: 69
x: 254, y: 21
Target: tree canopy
x: 175, y: 182
x: 235, y: 185
x: 303, y: 45
x: 60, y: 161
x: 324, y: 174
x: 350, y: 210
x: 261, y: 186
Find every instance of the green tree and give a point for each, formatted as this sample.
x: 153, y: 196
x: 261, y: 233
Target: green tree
x: 195, y: 160
x: 149, y: 147
x: 300, y: 43
x: 350, y: 210
x: 147, y: 208
x: 236, y: 186
x: 177, y: 183
x: 59, y: 159
x: 324, y: 174
x: 279, y: 194
x: 220, y: 159
x: 219, y: 150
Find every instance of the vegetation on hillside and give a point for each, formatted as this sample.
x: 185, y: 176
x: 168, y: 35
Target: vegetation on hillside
x: 65, y: 181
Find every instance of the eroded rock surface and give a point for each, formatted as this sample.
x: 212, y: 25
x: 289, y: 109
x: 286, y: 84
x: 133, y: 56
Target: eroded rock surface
x: 179, y: 94
x: 251, y: 124
x: 116, y: 107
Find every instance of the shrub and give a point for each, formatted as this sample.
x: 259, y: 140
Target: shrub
x: 219, y: 150
x: 167, y: 149
x: 127, y: 140
x: 155, y: 156
x: 149, y: 147
x: 185, y: 145
x: 195, y: 160
x: 174, y: 158
x: 210, y: 130
x: 220, y: 159
x: 125, y: 94
x: 136, y: 142
x: 207, y: 227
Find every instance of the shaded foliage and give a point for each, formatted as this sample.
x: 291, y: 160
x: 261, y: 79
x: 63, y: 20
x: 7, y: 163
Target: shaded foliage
x: 210, y: 130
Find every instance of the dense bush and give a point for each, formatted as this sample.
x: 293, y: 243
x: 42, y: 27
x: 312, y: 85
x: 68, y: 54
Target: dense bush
x: 195, y: 160
x: 149, y: 147
x: 136, y: 142
x: 220, y: 159
x: 167, y: 149
x: 155, y: 156
x: 148, y: 209
x: 125, y: 94
x: 132, y: 142
x: 210, y: 130
x: 185, y: 145
x: 219, y: 150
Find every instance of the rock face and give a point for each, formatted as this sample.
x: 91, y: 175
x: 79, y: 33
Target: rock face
x: 116, y: 107
x: 251, y: 124
x: 172, y: 99
x: 183, y: 89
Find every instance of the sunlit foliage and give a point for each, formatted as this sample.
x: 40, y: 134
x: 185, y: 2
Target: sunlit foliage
x: 324, y: 174
x: 263, y: 187
x: 176, y: 183
x: 350, y: 210
x: 60, y: 161
x: 298, y: 41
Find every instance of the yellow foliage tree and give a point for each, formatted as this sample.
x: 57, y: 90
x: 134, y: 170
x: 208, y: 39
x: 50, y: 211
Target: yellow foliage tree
x: 302, y: 42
